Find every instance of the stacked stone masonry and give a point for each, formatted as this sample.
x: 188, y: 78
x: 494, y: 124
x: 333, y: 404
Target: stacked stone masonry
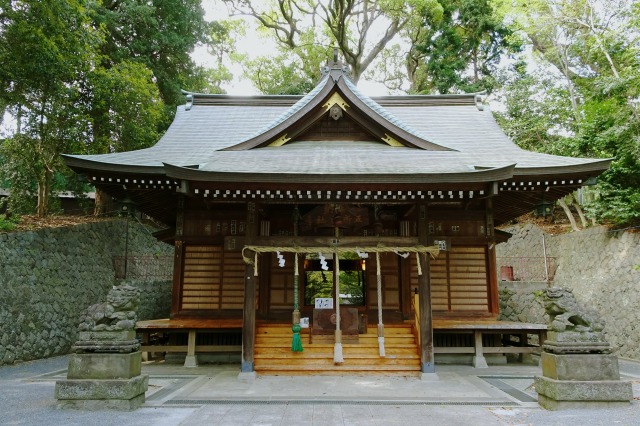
x: 597, y: 264
x: 49, y: 277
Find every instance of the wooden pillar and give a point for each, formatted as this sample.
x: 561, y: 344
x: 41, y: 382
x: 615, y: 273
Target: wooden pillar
x: 249, y: 310
x: 405, y: 287
x: 427, y: 359
x: 191, y: 359
x: 479, y: 360
x: 176, y: 289
x: 494, y: 303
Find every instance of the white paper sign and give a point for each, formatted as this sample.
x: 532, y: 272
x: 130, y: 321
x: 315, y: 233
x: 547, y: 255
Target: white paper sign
x: 324, y: 303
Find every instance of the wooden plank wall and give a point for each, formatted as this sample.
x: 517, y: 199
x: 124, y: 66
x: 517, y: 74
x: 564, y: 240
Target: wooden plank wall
x: 459, y: 280
x: 390, y: 281
x: 213, y: 279
x: 281, y: 282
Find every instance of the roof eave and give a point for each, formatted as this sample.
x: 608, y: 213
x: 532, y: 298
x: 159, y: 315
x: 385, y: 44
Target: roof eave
x: 594, y: 167
x: 78, y: 163
x: 474, y: 176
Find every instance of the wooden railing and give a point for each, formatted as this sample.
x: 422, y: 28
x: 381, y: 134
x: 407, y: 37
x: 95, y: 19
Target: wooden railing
x: 416, y: 318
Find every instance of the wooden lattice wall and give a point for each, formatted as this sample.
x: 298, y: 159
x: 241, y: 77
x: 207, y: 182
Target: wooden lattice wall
x: 213, y: 279
x: 459, y: 280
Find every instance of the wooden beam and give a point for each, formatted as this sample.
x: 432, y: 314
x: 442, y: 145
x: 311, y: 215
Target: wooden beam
x: 176, y: 290
x: 492, y: 290
x: 405, y: 284
x: 302, y: 242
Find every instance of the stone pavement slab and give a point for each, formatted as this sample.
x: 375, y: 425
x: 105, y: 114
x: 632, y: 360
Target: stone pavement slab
x: 213, y: 395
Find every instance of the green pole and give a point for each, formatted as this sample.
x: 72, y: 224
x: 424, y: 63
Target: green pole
x: 296, y: 343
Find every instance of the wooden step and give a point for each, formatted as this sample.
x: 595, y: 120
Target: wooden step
x: 328, y: 353
x: 306, y: 345
x: 326, y: 349
x: 273, y: 355
x: 345, y: 368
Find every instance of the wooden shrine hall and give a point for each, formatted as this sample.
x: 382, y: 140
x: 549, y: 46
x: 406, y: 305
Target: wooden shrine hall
x: 335, y: 233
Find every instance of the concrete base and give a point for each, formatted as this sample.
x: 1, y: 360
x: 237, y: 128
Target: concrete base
x: 480, y: 362
x: 104, y: 366
x: 586, y: 367
x: 102, y: 404
x: 467, y: 359
x: 564, y: 393
x: 247, y: 377
x: 429, y: 377
x: 101, y: 389
x: 191, y: 361
x: 553, y: 405
x: 204, y: 358
x: 125, y: 394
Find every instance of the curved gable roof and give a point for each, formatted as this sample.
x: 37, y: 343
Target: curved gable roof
x: 335, y: 88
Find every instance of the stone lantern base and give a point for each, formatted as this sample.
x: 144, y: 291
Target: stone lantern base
x: 581, y: 380
x: 98, y: 381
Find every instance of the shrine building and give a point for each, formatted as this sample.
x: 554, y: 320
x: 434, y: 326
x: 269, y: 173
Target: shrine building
x: 336, y: 233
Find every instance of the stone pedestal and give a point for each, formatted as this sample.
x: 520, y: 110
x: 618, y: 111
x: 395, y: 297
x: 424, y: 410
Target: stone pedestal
x: 581, y: 380
x: 103, y: 381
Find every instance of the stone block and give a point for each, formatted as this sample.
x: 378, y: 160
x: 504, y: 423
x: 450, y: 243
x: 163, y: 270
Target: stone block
x: 582, y: 367
x: 102, y: 404
x: 89, y: 389
x: 553, y: 405
x: 104, y: 366
x: 587, y: 390
x: 107, y: 335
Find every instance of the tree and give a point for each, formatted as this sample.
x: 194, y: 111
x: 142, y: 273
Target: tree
x: 91, y: 77
x: 594, y: 47
x: 460, y: 51
x: 45, y: 49
x: 125, y: 108
x: 159, y: 34
x: 537, y: 111
x: 361, y: 29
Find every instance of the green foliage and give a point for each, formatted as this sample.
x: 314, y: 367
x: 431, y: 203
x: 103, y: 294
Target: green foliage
x: 537, y: 114
x: 274, y: 76
x: 46, y: 49
x: 8, y: 223
x: 159, y: 34
x: 306, y: 31
x: 459, y: 52
x: 90, y: 77
x: 588, y: 100
x: 125, y: 108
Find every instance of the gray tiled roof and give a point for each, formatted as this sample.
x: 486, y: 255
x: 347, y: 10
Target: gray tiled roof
x: 291, y: 111
x: 384, y: 113
x: 197, y: 136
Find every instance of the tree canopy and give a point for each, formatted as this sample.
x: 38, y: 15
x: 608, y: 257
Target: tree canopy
x: 584, y: 101
x: 88, y: 77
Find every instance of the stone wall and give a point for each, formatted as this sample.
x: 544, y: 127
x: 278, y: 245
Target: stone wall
x: 49, y: 277
x: 597, y: 264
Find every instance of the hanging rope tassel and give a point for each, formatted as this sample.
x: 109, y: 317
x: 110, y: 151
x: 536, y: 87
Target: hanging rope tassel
x: 380, y: 324
x: 337, y: 347
x: 255, y: 265
x: 296, y: 343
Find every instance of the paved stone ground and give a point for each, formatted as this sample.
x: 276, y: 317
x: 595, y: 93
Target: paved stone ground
x: 179, y: 396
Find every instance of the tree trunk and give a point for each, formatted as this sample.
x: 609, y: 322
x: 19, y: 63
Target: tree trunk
x: 103, y: 203
x: 44, y: 189
x: 576, y: 204
x: 567, y: 211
